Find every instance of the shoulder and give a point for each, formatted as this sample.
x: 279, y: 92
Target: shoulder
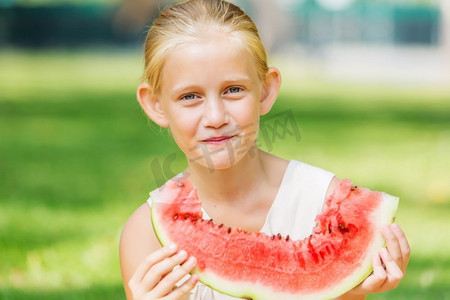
x: 137, y: 241
x: 318, y: 175
x: 332, y: 186
x: 139, y: 222
x: 312, y: 170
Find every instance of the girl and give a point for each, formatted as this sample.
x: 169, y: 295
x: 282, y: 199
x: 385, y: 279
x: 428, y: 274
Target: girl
x: 207, y: 80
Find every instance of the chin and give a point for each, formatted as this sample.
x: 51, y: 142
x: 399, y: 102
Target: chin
x: 219, y: 163
x: 221, y: 158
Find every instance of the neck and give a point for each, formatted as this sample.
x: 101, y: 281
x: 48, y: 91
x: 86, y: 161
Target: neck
x: 230, y: 184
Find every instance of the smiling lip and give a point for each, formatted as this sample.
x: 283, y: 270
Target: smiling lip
x: 218, y: 139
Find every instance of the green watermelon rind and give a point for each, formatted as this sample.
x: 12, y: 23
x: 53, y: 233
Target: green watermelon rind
x: 162, y: 238
x: 384, y: 216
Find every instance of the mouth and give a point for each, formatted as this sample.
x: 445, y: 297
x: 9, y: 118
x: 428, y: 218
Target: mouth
x: 218, y: 139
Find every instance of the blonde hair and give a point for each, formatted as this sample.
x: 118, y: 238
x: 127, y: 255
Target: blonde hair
x: 187, y: 22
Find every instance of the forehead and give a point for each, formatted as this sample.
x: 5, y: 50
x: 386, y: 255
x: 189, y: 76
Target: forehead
x: 212, y: 57
x: 213, y: 50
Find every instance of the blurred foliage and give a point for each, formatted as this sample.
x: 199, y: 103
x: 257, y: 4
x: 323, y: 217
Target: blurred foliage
x: 76, y: 150
x: 56, y: 2
x: 115, y: 2
x: 406, y: 2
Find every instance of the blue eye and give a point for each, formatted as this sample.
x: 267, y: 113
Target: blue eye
x: 234, y: 89
x: 188, y: 97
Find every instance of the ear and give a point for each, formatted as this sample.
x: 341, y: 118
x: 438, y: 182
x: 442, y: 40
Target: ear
x: 151, y: 104
x: 270, y: 90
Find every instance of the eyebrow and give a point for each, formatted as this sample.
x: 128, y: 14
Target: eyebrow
x: 230, y: 81
x: 243, y: 79
x: 184, y: 88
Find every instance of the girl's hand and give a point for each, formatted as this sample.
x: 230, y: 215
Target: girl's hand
x: 156, y: 277
x: 389, y: 265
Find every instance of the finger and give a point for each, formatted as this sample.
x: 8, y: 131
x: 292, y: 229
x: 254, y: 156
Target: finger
x: 183, y: 289
x: 377, y: 278
x: 162, y: 269
x: 149, y: 261
x: 404, y: 245
x: 392, y: 268
x: 394, y: 273
x: 392, y: 244
x: 166, y: 285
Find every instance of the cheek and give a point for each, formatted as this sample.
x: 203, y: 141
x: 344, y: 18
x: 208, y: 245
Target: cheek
x: 248, y: 114
x: 183, y: 124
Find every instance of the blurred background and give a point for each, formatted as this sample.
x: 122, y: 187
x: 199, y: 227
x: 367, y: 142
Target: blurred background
x: 368, y: 84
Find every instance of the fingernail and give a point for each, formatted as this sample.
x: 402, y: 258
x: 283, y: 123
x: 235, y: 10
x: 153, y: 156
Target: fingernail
x: 182, y: 254
x: 192, y: 260
x: 172, y: 247
x: 194, y: 279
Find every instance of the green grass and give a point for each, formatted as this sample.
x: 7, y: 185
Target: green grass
x: 76, y: 154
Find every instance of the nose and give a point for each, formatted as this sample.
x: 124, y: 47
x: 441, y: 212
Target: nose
x: 215, y: 113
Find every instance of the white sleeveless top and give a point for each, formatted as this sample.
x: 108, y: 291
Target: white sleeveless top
x: 299, y: 200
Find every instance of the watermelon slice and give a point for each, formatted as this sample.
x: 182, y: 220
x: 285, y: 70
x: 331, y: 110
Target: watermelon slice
x: 335, y: 258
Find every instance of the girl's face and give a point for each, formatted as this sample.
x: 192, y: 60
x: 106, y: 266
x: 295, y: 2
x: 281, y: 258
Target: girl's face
x: 210, y: 96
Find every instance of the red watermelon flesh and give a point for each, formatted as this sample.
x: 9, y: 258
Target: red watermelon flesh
x: 335, y: 258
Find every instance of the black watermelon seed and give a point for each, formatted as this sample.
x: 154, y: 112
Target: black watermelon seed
x: 342, y: 228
